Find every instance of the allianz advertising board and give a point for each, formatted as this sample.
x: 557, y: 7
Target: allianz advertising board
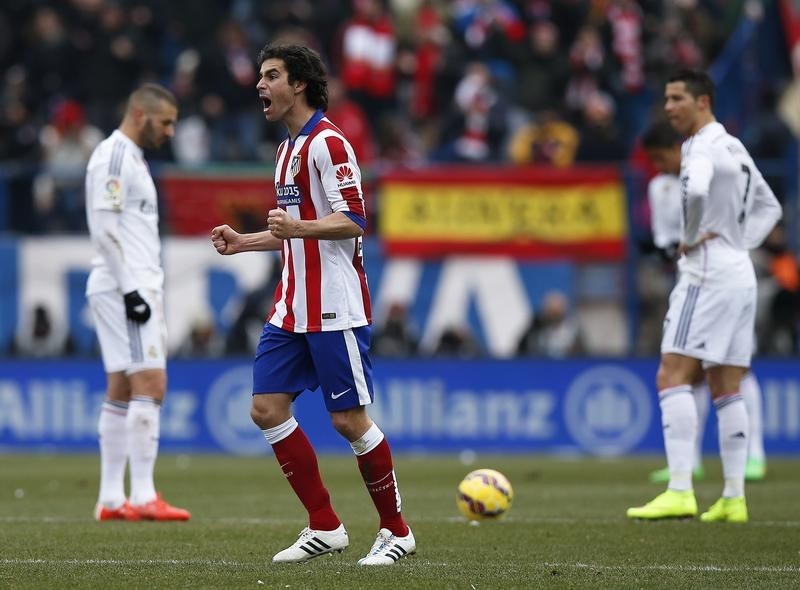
x: 598, y: 407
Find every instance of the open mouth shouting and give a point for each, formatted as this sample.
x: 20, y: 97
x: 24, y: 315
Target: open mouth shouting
x: 266, y: 103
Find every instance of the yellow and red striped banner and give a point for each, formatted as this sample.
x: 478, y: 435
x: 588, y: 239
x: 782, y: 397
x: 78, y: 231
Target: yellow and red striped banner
x: 523, y: 212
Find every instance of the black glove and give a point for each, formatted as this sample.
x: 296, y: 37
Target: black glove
x: 136, y: 308
x: 670, y: 253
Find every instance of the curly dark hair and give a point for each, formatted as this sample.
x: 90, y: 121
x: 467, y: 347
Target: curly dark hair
x: 697, y: 83
x: 302, y: 65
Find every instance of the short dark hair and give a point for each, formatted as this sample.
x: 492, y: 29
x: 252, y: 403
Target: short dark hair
x: 660, y: 134
x: 302, y: 65
x: 148, y: 96
x: 697, y: 83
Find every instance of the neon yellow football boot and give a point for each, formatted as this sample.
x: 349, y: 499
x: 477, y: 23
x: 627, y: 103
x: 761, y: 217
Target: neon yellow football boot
x: 726, y: 510
x: 755, y: 469
x: 662, y: 475
x: 670, y: 504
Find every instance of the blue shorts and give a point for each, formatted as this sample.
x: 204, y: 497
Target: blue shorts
x: 338, y: 362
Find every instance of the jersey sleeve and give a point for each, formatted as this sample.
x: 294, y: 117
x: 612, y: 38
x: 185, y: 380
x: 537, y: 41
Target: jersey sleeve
x: 105, y: 183
x: 764, y: 214
x: 696, y: 174
x: 340, y: 176
x: 660, y: 214
x: 108, y: 241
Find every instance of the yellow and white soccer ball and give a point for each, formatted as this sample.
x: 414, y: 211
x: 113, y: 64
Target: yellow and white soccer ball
x: 484, y: 494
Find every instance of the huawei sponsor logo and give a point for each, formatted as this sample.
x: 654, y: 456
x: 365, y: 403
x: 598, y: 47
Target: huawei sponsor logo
x: 344, y: 173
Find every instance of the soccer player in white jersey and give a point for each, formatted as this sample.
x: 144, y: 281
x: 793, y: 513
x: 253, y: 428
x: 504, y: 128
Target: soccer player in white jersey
x: 727, y: 209
x: 318, y: 332
x: 663, y: 147
x: 124, y: 291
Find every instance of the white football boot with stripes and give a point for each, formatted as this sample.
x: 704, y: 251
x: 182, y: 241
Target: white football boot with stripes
x: 311, y: 543
x: 388, y: 548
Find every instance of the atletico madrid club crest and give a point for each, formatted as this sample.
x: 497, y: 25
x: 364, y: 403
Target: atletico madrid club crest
x: 295, y: 165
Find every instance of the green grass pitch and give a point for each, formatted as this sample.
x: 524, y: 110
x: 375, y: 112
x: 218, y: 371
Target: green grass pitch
x: 566, y: 529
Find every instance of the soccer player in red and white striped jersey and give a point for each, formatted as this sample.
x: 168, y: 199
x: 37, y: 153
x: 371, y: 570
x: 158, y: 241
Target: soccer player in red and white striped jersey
x: 318, y: 332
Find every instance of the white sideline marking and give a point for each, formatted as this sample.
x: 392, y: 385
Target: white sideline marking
x: 511, y: 518
x: 213, y: 562
x: 777, y: 569
x: 789, y: 569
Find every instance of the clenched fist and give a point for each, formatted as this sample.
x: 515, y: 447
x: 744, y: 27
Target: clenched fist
x: 282, y: 225
x: 225, y: 239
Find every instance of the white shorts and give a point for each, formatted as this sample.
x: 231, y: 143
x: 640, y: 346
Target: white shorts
x: 124, y: 344
x: 713, y: 325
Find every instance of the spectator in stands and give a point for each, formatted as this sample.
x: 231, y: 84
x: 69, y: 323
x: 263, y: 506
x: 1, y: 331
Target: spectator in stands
x: 203, y: 340
x: 542, y: 69
x: 114, y: 60
x: 553, y: 331
x: 396, y: 337
x: 625, y: 20
x: 589, y: 68
x: 487, y: 31
x: 67, y: 141
x: 475, y: 129
x: 348, y: 116
x: 19, y: 144
x: 600, y: 138
x: 50, y: 59
x: 548, y: 140
x: 767, y: 137
x: 192, y: 142
x: 457, y: 342
x: 243, y: 336
x: 38, y: 339
x: 227, y: 76
x: 429, y: 37
x: 780, y: 285
x: 366, y: 57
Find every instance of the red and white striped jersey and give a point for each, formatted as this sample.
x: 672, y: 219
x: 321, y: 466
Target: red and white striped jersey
x: 323, y: 284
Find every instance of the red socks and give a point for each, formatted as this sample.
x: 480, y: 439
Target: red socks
x: 298, y: 462
x: 378, y: 473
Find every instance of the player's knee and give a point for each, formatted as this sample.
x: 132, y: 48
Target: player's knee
x: 151, y: 383
x: 342, y: 423
x: 262, y: 417
x: 662, y: 377
x: 351, y: 424
x: 268, y: 416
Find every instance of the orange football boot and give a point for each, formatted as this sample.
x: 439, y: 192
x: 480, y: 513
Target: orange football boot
x: 124, y: 512
x: 158, y: 509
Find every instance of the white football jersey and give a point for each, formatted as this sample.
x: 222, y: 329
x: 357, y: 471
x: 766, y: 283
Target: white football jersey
x: 721, y: 190
x: 664, y: 196
x: 118, y: 180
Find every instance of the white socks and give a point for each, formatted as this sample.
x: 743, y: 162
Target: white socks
x: 702, y: 402
x: 733, y: 437
x: 143, y: 426
x: 679, y: 421
x: 369, y: 440
x: 281, y: 431
x: 113, y: 453
x: 751, y: 392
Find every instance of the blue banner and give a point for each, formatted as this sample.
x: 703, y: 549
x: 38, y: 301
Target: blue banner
x: 606, y: 408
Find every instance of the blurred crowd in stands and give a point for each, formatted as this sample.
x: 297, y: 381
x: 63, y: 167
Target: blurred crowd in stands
x: 412, y: 81
x: 525, y: 82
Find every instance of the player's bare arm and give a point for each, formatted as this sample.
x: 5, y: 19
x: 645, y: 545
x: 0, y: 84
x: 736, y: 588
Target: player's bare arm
x: 228, y: 241
x: 336, y: 226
